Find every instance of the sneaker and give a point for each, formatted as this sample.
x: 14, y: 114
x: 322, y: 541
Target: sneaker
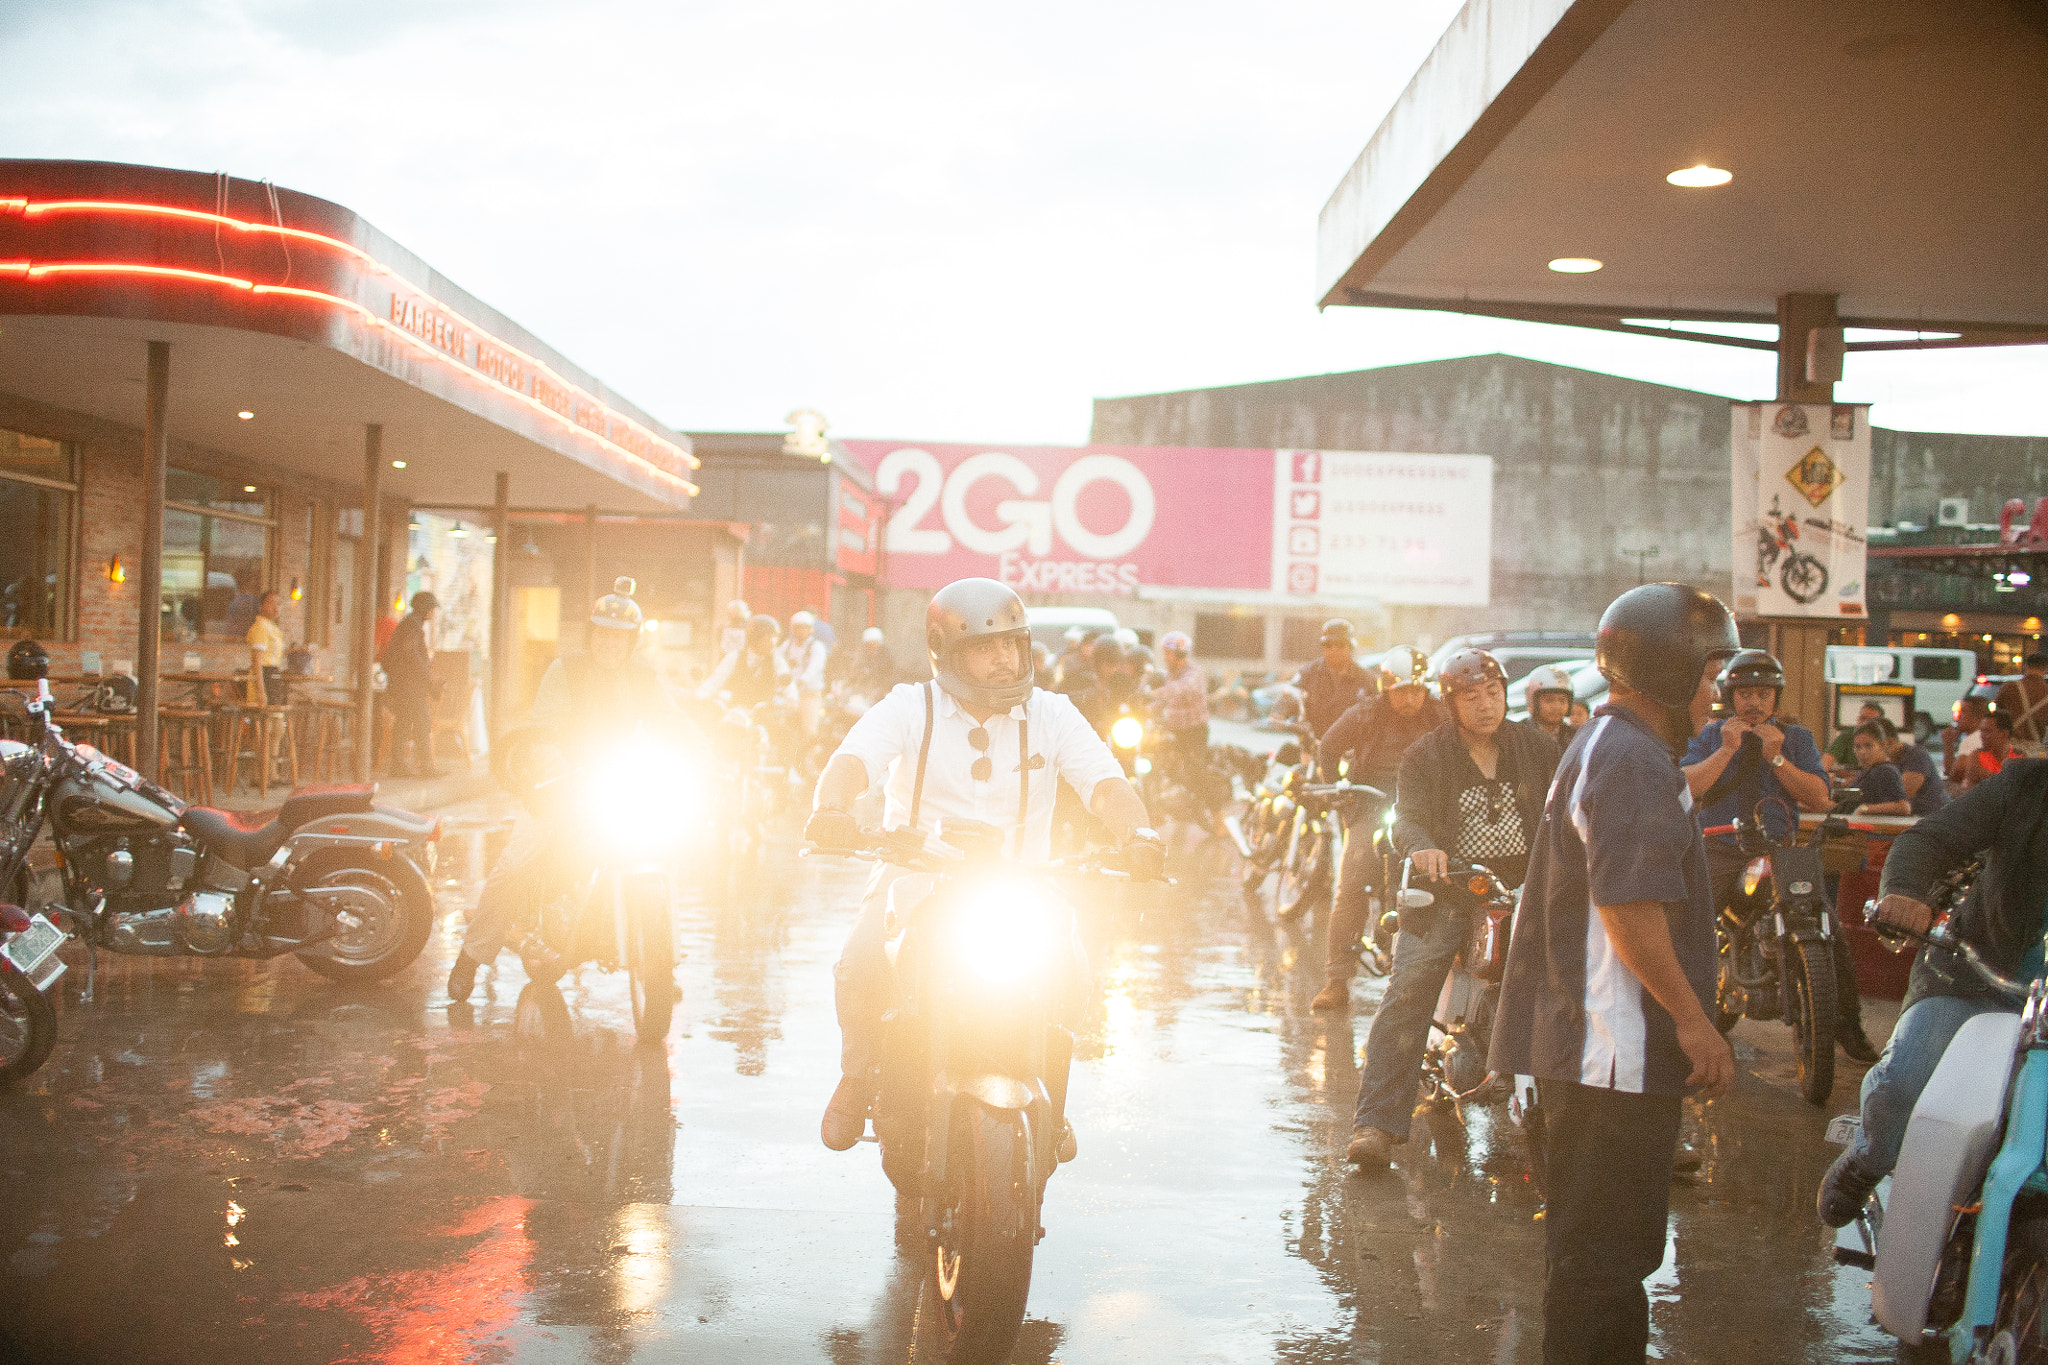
x: 1856, y: 1044
x: 461, y: 977
x: 1070, y: 1146
x: 1844, y: 1191
x: 1334, y: 996
x: 846, y: 1114
x: 1369, y: 1149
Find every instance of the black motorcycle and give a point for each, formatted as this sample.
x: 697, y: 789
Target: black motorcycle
x: 971, y: 1109
x: 330, y: 876
x: 1777, y: 941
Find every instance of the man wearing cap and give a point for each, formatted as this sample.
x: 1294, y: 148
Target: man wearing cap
x: 1611, y: 971
x: 1334, y: 683
x: 582, y: 699
x: 981, y: 742
x: 409, y: 690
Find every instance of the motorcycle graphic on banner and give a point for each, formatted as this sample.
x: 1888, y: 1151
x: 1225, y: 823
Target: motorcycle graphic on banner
x: 1801, y: 474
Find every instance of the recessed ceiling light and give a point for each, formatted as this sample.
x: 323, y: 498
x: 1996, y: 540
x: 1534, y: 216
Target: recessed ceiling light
x: 248, y: 488
x: 245, y: 415
x: 1575, y: 265
x: 398, y: 464
x: 1700, y: 177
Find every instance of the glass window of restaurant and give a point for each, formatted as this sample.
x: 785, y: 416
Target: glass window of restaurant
x: 38, y: 531
x: 218, y: 536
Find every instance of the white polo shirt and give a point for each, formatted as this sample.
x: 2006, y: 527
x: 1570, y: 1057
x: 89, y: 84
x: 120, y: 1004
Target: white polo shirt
x: 1061, y: 744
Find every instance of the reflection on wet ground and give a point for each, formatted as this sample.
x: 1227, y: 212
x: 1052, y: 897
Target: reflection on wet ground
x: 244, y: 1162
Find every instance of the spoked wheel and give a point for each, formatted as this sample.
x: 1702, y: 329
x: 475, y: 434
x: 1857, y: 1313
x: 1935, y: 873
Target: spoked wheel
x: 1804, y: 578
x: 1291, y: 883
x: 1724, y: 980
x: 652, y: 973
x: 1810, y: 1010
x: 28, y: 1025
x: 987, y: 1216
x: 541, y: 1018
x: 383, y: 913
x: 2022, y: 1322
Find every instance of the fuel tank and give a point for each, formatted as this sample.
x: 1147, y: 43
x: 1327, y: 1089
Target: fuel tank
x: 111, y: 796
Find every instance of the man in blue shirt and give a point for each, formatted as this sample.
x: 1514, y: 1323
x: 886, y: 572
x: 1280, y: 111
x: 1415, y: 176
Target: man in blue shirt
x: 1756, y: 765
x: 1611, y: 971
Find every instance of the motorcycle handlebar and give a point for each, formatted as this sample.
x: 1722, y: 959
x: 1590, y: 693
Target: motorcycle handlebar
x: 1330, y: 789
x: 891, y: 846
x: 1938, y: 936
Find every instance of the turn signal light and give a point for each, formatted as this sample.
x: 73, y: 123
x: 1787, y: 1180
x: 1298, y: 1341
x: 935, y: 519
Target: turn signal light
x: 1478, y: 885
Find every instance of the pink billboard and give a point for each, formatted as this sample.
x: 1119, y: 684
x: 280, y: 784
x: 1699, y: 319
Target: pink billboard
x: 1091, y: 519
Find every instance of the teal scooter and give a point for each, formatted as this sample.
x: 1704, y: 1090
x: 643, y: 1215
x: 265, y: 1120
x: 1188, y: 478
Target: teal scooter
x: 1958, y: 1233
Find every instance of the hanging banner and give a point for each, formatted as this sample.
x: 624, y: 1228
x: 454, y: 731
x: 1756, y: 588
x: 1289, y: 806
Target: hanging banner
x: 1808, y: 546
x: 1337, y: 525
x: 1400, y: 529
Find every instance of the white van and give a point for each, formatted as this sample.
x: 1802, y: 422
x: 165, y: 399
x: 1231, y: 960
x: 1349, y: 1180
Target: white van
x: 1940, y: 677
x: 1049, y: 625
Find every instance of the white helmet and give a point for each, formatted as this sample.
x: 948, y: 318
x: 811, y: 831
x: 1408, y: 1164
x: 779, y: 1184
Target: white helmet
x: 802, y: 618
x: 1548, y: 678
x: 871, y: 636
x: 1127, y: 637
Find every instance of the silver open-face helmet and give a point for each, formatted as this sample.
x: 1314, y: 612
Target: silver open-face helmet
x: 975, y: 609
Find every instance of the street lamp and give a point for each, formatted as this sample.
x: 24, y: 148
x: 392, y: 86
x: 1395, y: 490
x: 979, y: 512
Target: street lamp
x: 1642, y: 558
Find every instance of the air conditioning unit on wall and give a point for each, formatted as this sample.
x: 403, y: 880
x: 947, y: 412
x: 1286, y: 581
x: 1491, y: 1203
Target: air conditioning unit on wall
x: 1953, y: 512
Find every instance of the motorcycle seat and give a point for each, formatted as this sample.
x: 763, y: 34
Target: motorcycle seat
x: 247, y: 839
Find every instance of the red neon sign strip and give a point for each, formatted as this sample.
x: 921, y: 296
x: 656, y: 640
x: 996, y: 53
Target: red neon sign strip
x: 30, y: 270
x: 29, y: 208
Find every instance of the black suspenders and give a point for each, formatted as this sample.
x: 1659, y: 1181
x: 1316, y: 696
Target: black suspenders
x: 924, y: 752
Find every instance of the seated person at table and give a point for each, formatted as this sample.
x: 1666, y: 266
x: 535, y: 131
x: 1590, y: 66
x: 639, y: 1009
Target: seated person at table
x: 1919, y: 771
x: 1841, y: 755
x: 1884, y: 792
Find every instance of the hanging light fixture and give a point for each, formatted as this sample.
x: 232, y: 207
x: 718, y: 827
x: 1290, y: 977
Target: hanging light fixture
x: 115, y: 573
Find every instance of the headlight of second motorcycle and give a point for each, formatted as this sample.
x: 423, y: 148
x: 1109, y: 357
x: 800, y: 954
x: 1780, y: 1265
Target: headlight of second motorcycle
x: 645, y: 796
x: 1007, y: 933
x: 1127, y: 732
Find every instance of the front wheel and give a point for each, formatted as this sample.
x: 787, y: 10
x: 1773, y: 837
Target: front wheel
x: 2023, y: 1292
x: 389, y: 914
x: 1810, y: 1009
x: 1803, y: 578
x: 980, y: 1273
x: 28, y: 1025
x: 652, y: 973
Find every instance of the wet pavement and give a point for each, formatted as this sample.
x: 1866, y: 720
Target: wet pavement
x: 229, y: 1162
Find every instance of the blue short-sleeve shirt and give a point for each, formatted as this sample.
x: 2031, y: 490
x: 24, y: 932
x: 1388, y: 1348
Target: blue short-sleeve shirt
x: 1617, y: 827
x: 1763, y: 785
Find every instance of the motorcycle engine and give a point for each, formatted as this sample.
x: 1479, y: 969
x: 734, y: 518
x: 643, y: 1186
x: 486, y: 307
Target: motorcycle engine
x: 205, y: 922
x: 137, y: 873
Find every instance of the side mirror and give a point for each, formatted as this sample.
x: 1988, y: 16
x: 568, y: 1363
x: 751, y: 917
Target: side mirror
x: 1390, y: 923
x: 1414, y: 898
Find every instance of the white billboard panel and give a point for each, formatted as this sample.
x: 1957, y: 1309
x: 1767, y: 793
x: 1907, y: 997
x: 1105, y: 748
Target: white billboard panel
x: 1403, y: 529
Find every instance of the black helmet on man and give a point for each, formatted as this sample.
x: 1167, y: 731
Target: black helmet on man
x: 1659, y: 638
x: 977, y: 609
x: 1468, y: 670
x: 763, y: 631
x: 1752, y: 668
x: 1403, y: 666
x: 1337, y: 631
x: 1547, y: 678
x: 617, y: 610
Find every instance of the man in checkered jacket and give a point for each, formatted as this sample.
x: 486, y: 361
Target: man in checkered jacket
x: 1471, y: 789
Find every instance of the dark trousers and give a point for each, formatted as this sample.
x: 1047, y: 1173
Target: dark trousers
x: 1608, y: 1187
x: 412, y: 720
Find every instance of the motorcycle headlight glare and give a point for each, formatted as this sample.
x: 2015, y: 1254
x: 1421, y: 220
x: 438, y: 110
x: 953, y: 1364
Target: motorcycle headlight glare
x: 639, y: 798
x: 1126, y: 733
x: 1004, y: 934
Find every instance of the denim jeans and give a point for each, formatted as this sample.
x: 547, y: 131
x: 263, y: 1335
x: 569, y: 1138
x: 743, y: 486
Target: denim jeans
x: 1400, y: 1031
x: 1893, y: 1086
x: 1352, y: 906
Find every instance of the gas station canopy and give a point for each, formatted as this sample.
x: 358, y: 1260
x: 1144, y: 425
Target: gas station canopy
x: 1884, y: 152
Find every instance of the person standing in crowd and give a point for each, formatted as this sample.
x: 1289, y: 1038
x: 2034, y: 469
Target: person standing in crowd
x: 1841, y: 751
x: 266, y: 651
x: 821, y: 625
x: 754, y: 672
x: 409, y: 690
x: 734, y: 633
x: 870, y: 671
x: 1471, y: 789
x: 1994, y: 748
x: 803, y: 659
x: 1917, y: 771
x: 2024, y: 701
x: 1610, y: 974
x: 1334, y: 683
x: 1549, y: 696
x: 1960, y: 738
x: 1754, y: 764
x: 1367, y: 742
x: 1184, y: 699
x: 1072, y: 662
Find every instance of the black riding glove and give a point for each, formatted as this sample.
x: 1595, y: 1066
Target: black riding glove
x: 1145, y: 856
x: 835, y: 830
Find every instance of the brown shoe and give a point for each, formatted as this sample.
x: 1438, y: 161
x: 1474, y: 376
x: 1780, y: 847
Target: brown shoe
x: 1070, y: 1146
x: 1334, y: 996
x: 1369, y: 1149
x: 846, y: 1114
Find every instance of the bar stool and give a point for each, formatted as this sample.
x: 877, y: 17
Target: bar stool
x: 185, y: 740
x: 266, y: 728
x: 83, y: 728
x: 334, y: 743
x: 120, y: 737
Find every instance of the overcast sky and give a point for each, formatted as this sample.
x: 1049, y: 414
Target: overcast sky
x: 938, y: 221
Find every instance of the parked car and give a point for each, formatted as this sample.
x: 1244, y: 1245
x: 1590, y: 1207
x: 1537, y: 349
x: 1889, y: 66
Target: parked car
x: 1049, y: 625
x: 1520, y: 651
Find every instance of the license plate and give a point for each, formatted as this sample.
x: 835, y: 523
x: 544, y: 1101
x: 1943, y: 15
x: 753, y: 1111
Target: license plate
x: 1843, y: 1128
x: 33, y: 947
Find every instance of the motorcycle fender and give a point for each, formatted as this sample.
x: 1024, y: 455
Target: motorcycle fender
x: 1949, y: 1143
x: 992, y: 1091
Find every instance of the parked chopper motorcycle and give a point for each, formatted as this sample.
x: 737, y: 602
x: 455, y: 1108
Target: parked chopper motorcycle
x: 1777, y: 943
x: 1957, y: 1235
x: 330, y: 876
x: 604, y: 894
x: 971, y: 1108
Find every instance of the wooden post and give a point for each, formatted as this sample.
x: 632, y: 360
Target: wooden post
x: 1798, y: 315
x: 501, y: 605
x: 368, y: 552
x: 156, y: 451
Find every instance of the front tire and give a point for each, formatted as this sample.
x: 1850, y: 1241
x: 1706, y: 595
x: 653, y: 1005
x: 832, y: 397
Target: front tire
x: 980, y: 1274
x: 28, y: 1025
x: 652, y: 976
x: 394, y: 905
x: 1810, y: 1009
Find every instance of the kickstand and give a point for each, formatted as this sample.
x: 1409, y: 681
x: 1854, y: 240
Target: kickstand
x: 92, y: 971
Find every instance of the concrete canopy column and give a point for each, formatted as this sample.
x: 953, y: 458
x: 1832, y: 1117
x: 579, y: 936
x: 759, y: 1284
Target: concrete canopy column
x: 156, y: 450
x: 501, y: 603
x: 1809, y: 334
x: 369, y: 552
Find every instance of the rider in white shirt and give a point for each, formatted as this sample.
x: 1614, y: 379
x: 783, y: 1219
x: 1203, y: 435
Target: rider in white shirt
x: 980, y: 742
